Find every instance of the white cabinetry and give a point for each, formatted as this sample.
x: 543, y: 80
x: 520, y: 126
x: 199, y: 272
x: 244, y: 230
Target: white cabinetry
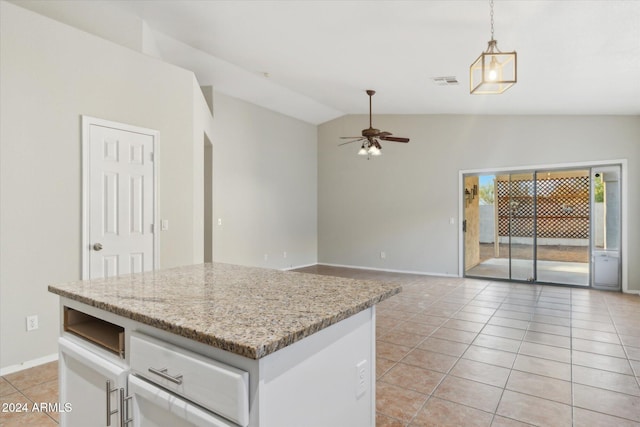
x: 84, y: 379
x: 155, y: 383
x: 213, y: 385
x: 325, y: 379
x: 154, y: 407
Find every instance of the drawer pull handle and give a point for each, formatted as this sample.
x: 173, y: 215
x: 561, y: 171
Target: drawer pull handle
x: 124, y: 409
x: 163, y: 373
x: 110, y: 412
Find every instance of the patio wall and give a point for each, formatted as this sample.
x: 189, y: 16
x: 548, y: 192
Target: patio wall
x: 487, y: 230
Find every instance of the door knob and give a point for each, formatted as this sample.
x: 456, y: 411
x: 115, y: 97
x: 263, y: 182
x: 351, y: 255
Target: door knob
x: 97, y: 247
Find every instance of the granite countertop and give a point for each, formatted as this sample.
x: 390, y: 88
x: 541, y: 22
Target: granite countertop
x: 249, y: 311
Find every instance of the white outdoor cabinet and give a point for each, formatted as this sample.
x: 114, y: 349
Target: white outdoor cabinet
x: 84, y: 379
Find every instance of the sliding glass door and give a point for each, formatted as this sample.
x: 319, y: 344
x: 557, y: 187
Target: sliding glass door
x: 532, y: 226
x: 563, y: 213
x: 607, y: 226
x: 516, y: 224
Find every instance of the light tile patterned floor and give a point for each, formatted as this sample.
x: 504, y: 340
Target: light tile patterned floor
x: 463, y: 352
x: 31, y: 386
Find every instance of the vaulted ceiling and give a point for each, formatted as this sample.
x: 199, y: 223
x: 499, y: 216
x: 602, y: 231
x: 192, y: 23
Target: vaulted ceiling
x: 314, y: 59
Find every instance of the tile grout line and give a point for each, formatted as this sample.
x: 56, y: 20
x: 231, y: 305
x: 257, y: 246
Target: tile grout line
x: 512, y: 364
x: 446, y: 374
x: 573, y: 405
x: 20, y: 392
x: 624, y: 348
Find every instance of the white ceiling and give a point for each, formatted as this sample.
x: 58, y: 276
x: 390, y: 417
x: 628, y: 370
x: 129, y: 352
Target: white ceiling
x: 574, y: 57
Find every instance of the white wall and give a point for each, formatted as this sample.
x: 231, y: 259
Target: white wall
x: 401, y: 202
x: 50, y: 75
x: 97, y: 17
x: 265, y: 186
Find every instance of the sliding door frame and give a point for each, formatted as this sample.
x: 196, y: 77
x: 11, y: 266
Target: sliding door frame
x: 578, y: 165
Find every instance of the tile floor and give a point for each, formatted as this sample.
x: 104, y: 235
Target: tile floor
x: 463, y: 352
x: 31, y: 386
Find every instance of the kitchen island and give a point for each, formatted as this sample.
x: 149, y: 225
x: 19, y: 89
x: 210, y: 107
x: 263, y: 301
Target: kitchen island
x: 220, y: 344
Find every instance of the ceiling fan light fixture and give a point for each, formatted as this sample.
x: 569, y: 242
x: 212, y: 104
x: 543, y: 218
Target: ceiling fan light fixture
x: 494, y: 71
x: 371, y: 136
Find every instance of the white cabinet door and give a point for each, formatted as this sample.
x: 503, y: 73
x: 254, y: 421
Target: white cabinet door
x: 84, y: 378
x: 152, y: 406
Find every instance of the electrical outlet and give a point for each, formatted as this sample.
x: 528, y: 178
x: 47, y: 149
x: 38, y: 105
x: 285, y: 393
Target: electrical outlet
x: 361, y: 379
x: 32, y: 322
x: 383, y: 255
x: 219, y: 221
x: 284, y: 254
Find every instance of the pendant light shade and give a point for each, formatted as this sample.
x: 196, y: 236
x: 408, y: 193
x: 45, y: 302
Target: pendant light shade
x: 494, y: 71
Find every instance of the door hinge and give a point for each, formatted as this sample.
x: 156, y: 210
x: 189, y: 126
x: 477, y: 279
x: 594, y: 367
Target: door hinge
x: 464, y: 226
x: 153, y: 228
x: 151, y: 156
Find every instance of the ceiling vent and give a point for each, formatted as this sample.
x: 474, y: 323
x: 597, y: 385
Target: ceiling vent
x: 445, y: 80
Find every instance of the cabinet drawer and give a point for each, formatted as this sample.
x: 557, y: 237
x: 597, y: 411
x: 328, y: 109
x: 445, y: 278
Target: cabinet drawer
x: 214, y: 385
x: 153, y: 406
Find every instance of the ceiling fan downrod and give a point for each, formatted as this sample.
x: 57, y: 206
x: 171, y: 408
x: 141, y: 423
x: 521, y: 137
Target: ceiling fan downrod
x: 370, y: 93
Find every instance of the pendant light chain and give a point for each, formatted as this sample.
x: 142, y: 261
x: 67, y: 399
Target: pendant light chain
x: 491, y: 7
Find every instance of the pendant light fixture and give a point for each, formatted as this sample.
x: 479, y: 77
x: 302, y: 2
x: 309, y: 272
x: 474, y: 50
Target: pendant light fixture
x: 494, y: 71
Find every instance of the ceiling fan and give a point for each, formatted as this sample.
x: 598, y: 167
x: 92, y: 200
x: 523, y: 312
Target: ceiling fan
x: 371, y: 137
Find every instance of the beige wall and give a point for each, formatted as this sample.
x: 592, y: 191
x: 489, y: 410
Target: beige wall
x: 402, y: 202
x: 97, y: 17
x: 203, y: 124
x: 265, y: 165
x: 50, y: 75
x: 265, y: 186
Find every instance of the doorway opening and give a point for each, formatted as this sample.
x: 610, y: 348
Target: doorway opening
x: 208, y: 200
x: 542, y: 226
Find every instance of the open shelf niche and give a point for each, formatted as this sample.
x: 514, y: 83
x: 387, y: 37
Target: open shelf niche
x: 105, y: 334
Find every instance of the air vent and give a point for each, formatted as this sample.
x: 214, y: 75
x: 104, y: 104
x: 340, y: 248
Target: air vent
x: 445, y: 80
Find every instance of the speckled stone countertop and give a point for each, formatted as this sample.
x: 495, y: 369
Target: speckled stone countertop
x: 249, y: 311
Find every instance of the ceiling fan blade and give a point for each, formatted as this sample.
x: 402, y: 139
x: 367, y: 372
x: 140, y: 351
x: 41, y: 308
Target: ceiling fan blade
x: 349, y: 137
x: 353, y: 140
x: 384, y: 134
x: 394, y: 139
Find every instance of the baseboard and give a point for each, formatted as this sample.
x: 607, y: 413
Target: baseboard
x: 299, y: 266
x: 28, y: 364
x: 388, y: 270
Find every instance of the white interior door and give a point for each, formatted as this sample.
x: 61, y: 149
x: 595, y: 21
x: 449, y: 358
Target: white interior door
x: 119, y: 199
